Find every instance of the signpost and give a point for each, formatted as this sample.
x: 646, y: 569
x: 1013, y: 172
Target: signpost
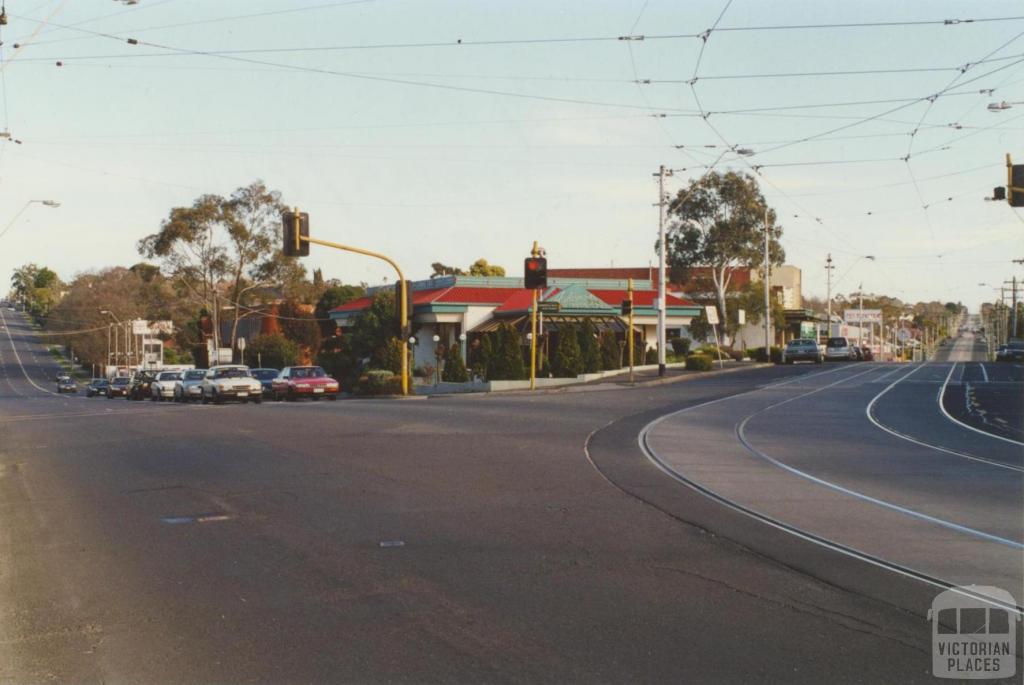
x: 711, y: 312
x: 241, y: 348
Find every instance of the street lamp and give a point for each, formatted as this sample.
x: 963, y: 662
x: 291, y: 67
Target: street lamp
x: 438, y: 355
x: 46, y: 203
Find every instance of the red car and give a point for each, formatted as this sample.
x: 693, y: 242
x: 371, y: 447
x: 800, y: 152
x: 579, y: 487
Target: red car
x: 304, y: 381
x: 867, y: 354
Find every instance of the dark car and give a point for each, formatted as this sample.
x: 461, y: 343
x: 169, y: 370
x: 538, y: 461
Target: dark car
x: 266, y: 378
x: 139, y: 389
x: 866, y: 354
x: 97, y: 386
x: 1011, y: 352
x: 118, y: 387
x: 801, y: 350
x: 66, y: 384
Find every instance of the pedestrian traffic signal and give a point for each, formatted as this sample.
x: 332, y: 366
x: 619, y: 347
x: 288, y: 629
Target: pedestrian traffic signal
x: 999, y: 193
x: 295, y: 227
x: 627, y: 307
x: 535, y: 273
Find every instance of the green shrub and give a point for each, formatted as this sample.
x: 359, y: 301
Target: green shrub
x: 680, y: 346
x: 590, y: 350
x: 610, y: 351
x: 389, y: 358
x: 501, y: 355
x: 378, y: 382
x: 454, y: 368
x: 698, y: 362
x: 568, y: 361
x: 651, y: 356
x: 273, y: 350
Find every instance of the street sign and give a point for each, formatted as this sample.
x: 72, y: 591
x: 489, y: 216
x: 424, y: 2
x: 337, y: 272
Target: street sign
x: 711, y: 312
x: 548, y: 307
x: 140, y: 327
x: 241, y: 344
x: 862, y: 316
x: 903, y: 335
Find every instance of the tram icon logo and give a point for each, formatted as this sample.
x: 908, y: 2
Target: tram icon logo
x: 974, y: 633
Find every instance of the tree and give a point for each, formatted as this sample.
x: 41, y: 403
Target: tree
x: 718, y: 221
x: 219, y: 249
x: 274, y: 351
x: 502, y: 355
x: 454, y: 368
x: 700, y: 329
x: 751, y: 300
x: 590, y: 351
x: 610, y: 351
x: 481, y: 268
x: 299, y: 326
x: 334, y: 296
x: 439, y: 269
x: 568, y: 361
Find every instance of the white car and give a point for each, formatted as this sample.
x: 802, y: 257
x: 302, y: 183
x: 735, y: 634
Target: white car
x: 230, y: 382
x: 162, y: 387
x: 839, y: 348
x: 190, y: 387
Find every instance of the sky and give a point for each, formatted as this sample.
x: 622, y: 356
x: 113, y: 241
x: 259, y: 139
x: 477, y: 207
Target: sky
x: 450, y: 131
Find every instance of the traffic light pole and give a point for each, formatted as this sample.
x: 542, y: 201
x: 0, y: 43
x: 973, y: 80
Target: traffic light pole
x: 533, y: 329
x: 631, y: 330
x: 403, y: 309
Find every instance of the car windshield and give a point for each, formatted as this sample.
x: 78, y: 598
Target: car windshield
x: 100, y: 381
x: 121, y: 380
x: 308, y: 372
x: 837, y: 342
x: 168, y: 376
x: 264, y: 374
x: 234, y: 372
x: 196, y: 375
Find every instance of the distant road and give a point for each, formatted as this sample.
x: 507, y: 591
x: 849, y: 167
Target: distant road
x: 966, y: 348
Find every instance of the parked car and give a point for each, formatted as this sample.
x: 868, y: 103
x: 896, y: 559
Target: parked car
x: 266, y: 378
x: 867, y: 354
x: 66, y: 384
x: 162, y: 387
x: 97, y: 386
x: 838, y: 349
x: 118, y: 387
x: 189, y: 388
x: 304, y: 381
x: 138, y: 389
x: 1013, y: 351
x: 230, y: 382
x: 801, y: 350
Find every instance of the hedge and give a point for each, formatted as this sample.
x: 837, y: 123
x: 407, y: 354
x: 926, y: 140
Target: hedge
x: 379, y: 382
x: 698, y: 362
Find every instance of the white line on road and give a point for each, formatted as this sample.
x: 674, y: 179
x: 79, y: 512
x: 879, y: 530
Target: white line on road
x: 938, y: 398
x: 17, y: 357
x: 868, y: 411
x: 983, y: 371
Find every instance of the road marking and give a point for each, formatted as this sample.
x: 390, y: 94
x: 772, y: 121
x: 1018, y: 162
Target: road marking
x: 903, y: 436
x: 938, y: 398
x: 899, y: 367
x: 17, y: 357
x: 741, y: 435
x: 800, y: 378
x: 983, y: 371
x: 652, y: 456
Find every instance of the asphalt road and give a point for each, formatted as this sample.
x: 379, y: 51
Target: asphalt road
x: 156, y: 543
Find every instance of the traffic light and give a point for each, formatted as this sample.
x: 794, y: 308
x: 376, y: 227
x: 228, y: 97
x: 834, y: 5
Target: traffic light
x: 293, y: 245
x: 403, y: 325
x: 999, y: 193
x: 535, y: 273
x: 627, y: 307
x: 1015, y: 196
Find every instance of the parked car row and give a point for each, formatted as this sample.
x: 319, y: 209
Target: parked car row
x: 834, y: 349
x: 1011, y: 352
x: 218, y: 384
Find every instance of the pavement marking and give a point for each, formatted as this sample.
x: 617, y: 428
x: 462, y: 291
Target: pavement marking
x: 938, y: 398
x: 741, y: 436
x: 983, y: 371
x: 17, y: 357
x: 852, y: 552
x: 878, y: 424
x: 800, y: 378
x: 899, y: 367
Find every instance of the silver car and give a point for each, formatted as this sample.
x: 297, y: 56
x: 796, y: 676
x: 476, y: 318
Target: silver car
x: 162, y: 387
x: 189, y: 387
x: 839, y: 348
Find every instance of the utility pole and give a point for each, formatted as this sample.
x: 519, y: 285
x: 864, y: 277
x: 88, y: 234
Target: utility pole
x: 662, y: 173
x: 829, y: 268
x: 630, y: 285
x: 860, y: 321
x: 1013, y: 303
x: 767, y: 290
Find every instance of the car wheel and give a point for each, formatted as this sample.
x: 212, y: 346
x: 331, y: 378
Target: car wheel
x: 332, y: 397
x: 291, y: 396
x: 818, y: 360
x: 205, y: 399
x: 217, y: 399
x: 257, y: 400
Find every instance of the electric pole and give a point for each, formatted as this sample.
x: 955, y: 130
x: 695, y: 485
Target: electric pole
x: 662, y: 173
x: 829, y: 268
x: 1013, y: 302
x: 767, y: 291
